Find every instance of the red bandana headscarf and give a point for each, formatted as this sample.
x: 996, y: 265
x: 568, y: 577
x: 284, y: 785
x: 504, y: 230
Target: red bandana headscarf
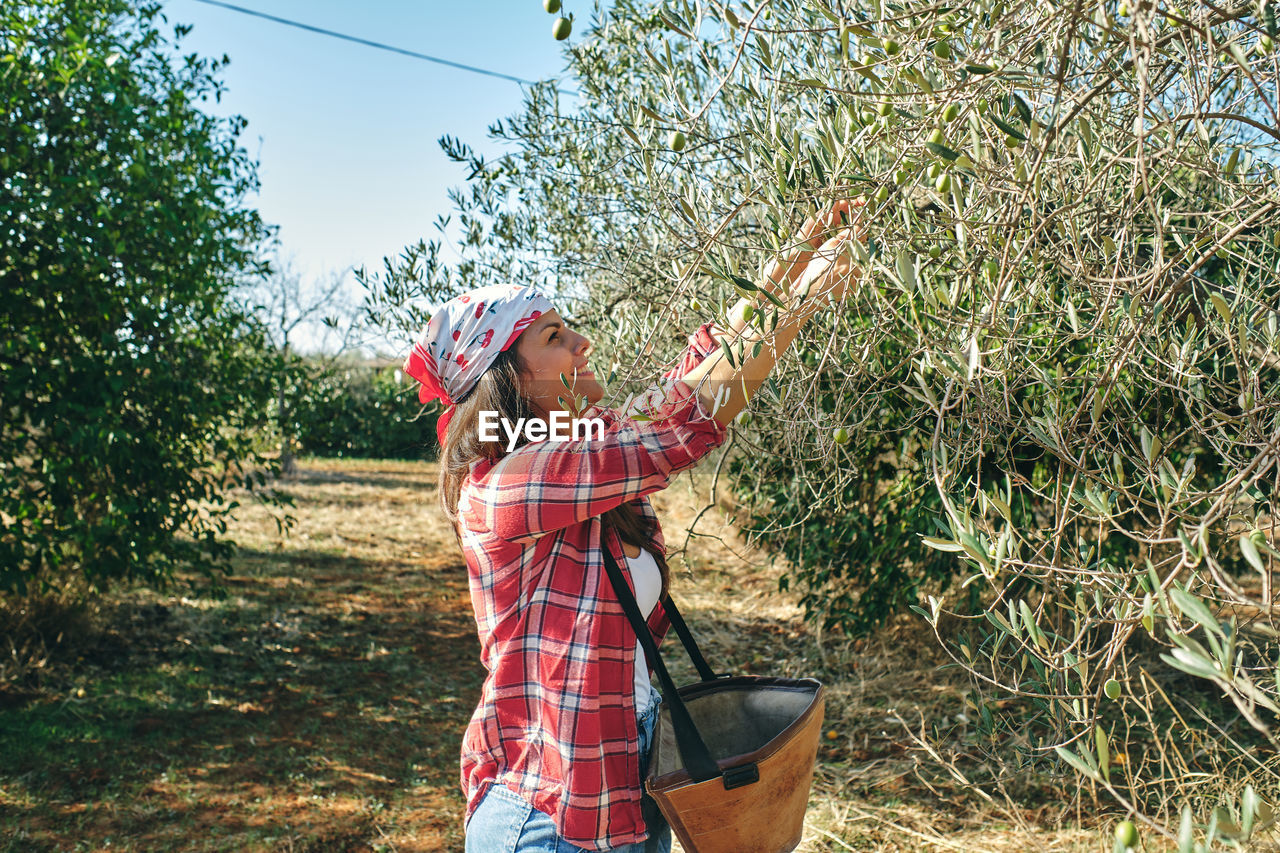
x: 465, y: 336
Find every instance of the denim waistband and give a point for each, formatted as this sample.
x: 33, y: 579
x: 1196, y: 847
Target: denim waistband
x: 650, y: 706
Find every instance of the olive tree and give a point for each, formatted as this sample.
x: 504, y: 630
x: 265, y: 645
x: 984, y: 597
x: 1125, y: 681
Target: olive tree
x: 130, y: 380
x: 1056, y: 387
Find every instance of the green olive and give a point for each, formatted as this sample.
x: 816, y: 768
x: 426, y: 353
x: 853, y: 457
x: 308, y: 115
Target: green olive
x: 676, y: 141
x: 561, y: 28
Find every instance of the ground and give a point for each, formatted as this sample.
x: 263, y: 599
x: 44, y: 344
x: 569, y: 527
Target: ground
x: 319, y: 706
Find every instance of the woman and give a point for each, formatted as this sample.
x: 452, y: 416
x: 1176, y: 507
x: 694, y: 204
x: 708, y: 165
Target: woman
x: 555, y: 753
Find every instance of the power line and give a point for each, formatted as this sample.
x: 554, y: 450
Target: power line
x: 379, y: 45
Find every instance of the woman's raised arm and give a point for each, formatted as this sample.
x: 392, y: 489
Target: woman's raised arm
x: 806, y: 284
x: 783, y: 271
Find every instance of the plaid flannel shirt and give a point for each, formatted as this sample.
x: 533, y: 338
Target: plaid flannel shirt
x: 556, y: 722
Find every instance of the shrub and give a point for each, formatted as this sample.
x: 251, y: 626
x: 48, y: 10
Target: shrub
x: 131, y: 384
x: 351, y: 408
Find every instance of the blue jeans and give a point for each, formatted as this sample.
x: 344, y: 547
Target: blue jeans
x: 505, y: 823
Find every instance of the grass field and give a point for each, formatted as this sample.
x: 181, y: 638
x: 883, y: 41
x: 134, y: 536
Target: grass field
x: 320, y: 705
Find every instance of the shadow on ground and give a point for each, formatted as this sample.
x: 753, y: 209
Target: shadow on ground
x: 318, y: 706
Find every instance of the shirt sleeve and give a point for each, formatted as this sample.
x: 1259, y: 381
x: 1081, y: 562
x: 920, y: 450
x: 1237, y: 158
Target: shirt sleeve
x: 550, y: 485
x: 701, y: 344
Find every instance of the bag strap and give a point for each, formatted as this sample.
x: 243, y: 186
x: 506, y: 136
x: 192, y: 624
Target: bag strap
x: 697, y: 758
x: 686, y: 639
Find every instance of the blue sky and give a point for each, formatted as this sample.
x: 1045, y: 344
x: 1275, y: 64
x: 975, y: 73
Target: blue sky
x: 344, y: 134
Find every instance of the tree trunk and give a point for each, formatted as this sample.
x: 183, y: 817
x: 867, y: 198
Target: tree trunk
x: 287, y: 465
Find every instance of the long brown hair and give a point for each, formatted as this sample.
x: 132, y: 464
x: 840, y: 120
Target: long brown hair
x: 500, y: 390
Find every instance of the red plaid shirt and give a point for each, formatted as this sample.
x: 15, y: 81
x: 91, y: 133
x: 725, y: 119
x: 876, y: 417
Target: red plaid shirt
x: 556, y: 721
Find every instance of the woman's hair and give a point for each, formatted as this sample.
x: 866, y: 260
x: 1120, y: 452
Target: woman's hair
x: 499, y: 390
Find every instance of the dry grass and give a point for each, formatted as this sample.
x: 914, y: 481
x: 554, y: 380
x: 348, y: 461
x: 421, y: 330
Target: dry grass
x: 320, y: 706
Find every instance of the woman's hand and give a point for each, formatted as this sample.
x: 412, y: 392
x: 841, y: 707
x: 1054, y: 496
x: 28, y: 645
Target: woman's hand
x: 827, y: 278
x: 831, y: 266
x: 842, y: 221
x: 813, y: 234
x: 723, y: 387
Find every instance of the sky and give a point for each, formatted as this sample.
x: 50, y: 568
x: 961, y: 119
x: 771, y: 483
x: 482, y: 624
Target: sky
x: 345, y: 135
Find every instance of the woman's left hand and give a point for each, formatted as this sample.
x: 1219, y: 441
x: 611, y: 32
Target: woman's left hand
x: 811, y: 236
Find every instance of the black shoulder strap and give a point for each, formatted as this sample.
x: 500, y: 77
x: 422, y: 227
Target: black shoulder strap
x: 697, y: 758
x: 686, y: 638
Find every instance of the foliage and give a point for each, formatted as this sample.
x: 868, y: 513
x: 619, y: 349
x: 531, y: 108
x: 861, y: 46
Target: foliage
x: 1060, y: 373
x: 129, y: 379
x: 355, y: 409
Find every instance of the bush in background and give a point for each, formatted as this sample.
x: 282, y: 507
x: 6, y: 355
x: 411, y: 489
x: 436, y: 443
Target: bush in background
x: 131, y: 382
x: 359, y: 409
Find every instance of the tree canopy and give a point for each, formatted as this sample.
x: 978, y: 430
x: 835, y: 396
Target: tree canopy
x: 1058, y: 378
x: 130, y: 378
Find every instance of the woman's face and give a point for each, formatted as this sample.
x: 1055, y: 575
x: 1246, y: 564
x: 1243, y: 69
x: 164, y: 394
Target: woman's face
x: 550, y: 348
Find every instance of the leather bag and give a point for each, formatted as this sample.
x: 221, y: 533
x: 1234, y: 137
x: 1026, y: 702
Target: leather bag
x: 733, y: 757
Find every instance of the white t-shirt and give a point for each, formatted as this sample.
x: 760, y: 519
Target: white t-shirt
x: 647, y: 580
